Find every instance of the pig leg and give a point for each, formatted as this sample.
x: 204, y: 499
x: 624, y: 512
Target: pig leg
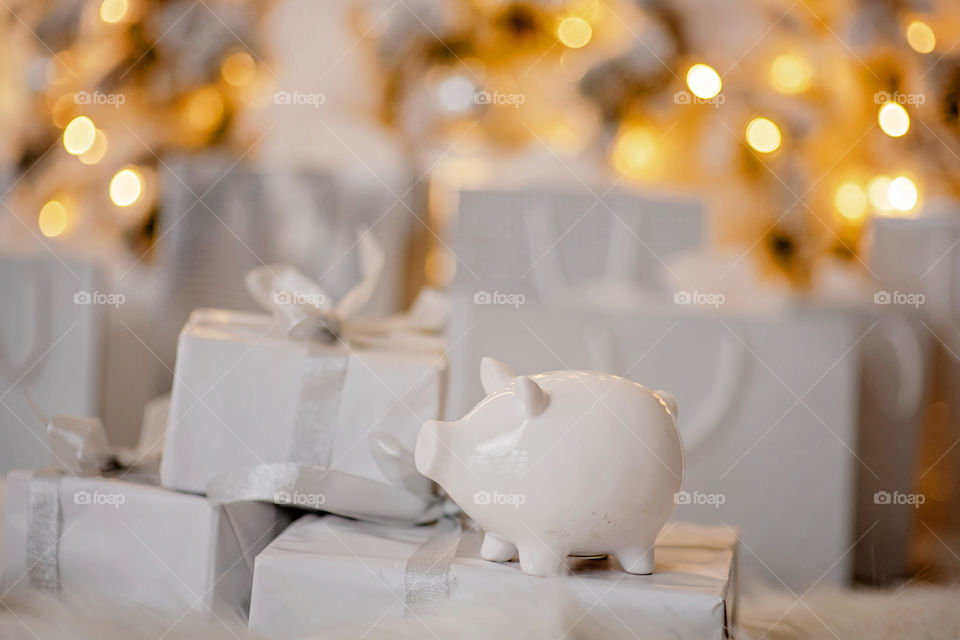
x: 496, y: 548
x: 540, y: 560
x: 637, y: 559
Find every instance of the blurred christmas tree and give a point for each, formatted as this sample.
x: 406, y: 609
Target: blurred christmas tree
x: 95, y: 93
x: 798, y: 121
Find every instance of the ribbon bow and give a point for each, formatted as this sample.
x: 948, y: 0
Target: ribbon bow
x: 306, y: 310
x: 80, y: 447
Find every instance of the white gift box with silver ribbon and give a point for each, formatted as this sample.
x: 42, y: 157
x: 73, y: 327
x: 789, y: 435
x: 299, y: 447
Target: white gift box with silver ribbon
x: 312, y: 406
x: 120, y: 535
x: 328, y: 571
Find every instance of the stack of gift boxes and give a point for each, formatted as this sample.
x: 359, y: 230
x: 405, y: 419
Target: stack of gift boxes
x: 287, y: 489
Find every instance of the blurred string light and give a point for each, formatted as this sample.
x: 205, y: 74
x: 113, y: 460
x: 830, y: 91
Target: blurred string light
x: 902, y: 194
x: 79, y: 135
x: 97, y: 150
x: 763, y: 135
x: 790, y: 73
x: 877, y: 192
x: 53, y: 219
x: 456, y: 94
x: 633, y: 149
x: 920, y: 37
x: 239, y: 69
x: 894, y: 119
x: 851, y: 202
x: 703, y: 81
x: 126, y: 187
x: 574, y: 32
x: 113, y: 11
x: 205, y: 109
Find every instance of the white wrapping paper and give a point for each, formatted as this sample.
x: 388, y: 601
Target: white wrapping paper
x: 141, y: 543
x: 327, y: 571
x: 242, y: 385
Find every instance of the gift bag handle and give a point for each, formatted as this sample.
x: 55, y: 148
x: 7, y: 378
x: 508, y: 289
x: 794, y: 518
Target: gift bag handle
x: 546, y: 269
x: 897, y: 332
x: 719, y: 400
x: 945, y: 282
x: 25, y: 371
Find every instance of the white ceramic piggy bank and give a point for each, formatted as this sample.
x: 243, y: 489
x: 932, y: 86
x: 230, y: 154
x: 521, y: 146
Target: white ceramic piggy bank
x: 561, y: 463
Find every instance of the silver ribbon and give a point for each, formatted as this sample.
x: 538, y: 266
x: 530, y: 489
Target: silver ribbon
x: 316, y: 421
x: 44, y: 522
x: 426, y: 577
x: 311, y: 487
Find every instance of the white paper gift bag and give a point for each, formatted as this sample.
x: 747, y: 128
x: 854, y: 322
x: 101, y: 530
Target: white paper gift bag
x: 131, y: 540
x: 767, y: 411
x: 554, y: 244
x: 327, y: 571
x: 50, y: 349
x: 310, y: 406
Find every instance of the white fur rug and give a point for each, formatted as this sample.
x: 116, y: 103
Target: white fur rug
x: 911, y: 613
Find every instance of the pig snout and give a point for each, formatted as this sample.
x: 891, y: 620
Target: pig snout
x: 428, y: 448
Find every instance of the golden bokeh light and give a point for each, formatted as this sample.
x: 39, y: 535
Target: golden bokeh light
x: 205, y: 109
x: 763, y: 135
x: 633, y: 149
x: 902, y: 194
x: 113, y: 11
x: 703, y: 81
x: 79, y: 135
x: 851, y: 202
x: 894, y: 119
x: 53, y: 219
x: 877, y: 192
x: 239, y: 69
x: 126, y: 187
x: 790, y: 74
x: 574, y: 32
x: 920, y: 37
x: 97, y: 150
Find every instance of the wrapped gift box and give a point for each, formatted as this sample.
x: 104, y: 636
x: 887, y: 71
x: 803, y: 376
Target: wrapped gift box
x: 131, y: 540
x: 247, y: 394
x: 325, y: 571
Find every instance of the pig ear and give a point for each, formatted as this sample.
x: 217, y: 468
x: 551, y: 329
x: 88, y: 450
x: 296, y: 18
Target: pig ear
x: 494, y: 375
x: 532, y: 396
